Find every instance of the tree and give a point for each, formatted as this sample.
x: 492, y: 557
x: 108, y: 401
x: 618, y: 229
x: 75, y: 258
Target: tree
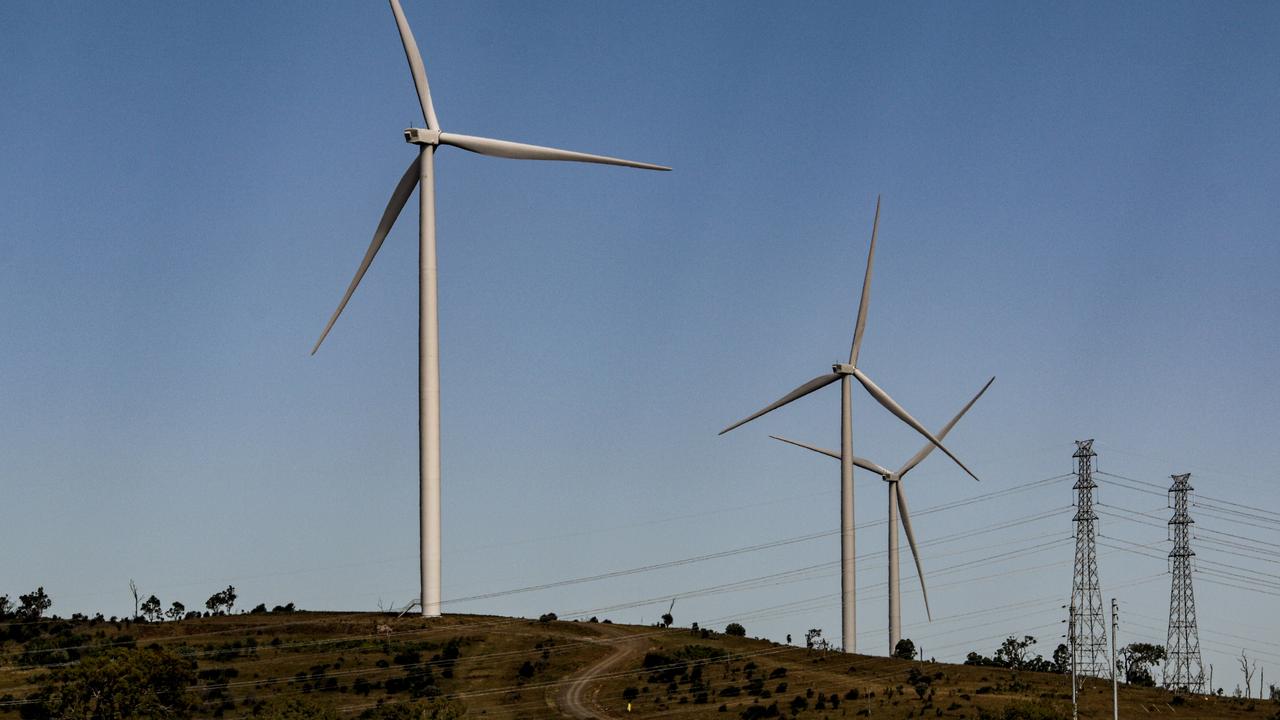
x: 1014, y: 653
x: 120, y: 683
x: 176, y: 611
x: 151, y: 609
x: 1136, y: 660
x: 6, y: 607
x: 813, y: 640
x: 221, y: 602
x: 133, y: 588
x: 735, y: 630
x: 1248, y: 667
x: 905, y: 650
x: 34, y: 604
x: 1062, y: 659
x: 667, y: 619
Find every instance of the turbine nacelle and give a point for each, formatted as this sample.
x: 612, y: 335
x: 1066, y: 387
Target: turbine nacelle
x: 422, y: 136
x: 843, y: 369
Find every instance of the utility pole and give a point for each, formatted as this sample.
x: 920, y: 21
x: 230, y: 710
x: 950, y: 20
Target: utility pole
x: 1089, y: 646
x: 1115, y: 672
x: 1071, y: 637
x: 1182, y: 665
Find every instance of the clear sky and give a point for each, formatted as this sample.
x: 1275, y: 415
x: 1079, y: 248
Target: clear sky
x: 1078, y: 199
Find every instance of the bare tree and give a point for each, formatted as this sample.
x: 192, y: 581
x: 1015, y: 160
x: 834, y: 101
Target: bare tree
x: 133, y: 588
x: 1248, y: 667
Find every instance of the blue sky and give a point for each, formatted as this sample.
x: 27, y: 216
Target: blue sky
x: 1078, y: 199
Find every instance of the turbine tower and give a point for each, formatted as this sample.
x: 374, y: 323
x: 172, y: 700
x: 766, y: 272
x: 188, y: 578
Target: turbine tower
x: 1182, y: 666
x: 843, y: 372
x: 1090, y: 641
x: 422, y: 172
x: 898, y: 503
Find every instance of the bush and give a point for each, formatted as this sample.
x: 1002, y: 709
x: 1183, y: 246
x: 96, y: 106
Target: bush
x: 760, y: 711
x: 547, y: 617
x: 700, y: 652
x: 735, y: 629
x: 119, y: 683
x: 1024, y: 711
x: 631, y: 693
x: 298, y: 710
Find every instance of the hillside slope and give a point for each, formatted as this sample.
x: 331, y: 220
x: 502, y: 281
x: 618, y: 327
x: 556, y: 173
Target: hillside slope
x: 349, y: 664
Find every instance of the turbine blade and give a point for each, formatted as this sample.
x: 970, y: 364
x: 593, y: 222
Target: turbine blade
x: 883, y: 398
x: 866, y: 291
x: 521, y: 151
x: 911, y: 540
x: 928, y: 447
x: 415, y: 67
x: 860, y: 462
x: 815, y: 384
x: 398, y: 198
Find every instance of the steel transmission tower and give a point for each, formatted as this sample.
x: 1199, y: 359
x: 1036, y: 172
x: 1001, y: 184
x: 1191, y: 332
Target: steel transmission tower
x: 1182, y: 666
x: 1089, y: 644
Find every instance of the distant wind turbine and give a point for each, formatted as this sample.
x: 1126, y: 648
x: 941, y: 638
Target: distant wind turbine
x: 422, y: 171
x: 842, y: 372
x: 898, y: 503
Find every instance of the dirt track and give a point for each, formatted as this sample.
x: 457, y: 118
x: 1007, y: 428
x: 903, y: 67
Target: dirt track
x: 578, y: 699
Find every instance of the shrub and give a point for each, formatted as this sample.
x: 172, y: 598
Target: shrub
x: 760, y: 711
x: 700, y: 652
x: 119, y: 683
x: 1023, y: 711
x: 735, y: 629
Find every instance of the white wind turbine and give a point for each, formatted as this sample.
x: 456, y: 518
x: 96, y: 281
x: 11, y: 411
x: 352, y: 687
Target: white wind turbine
x: 422, y: 172
x: 842, y: 372
x: 898, y: 503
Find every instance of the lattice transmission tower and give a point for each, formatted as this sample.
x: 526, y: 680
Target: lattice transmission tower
x: 1089, y: 641
x: 1182, y: 666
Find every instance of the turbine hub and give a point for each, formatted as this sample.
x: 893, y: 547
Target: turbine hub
x: 422, y: 136
x: 842, y: 369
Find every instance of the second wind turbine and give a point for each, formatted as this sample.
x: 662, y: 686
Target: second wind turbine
x: 843, y: 372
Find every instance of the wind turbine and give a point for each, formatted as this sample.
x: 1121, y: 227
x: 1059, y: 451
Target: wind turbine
x: 422, y: 172
x: 898, y: 503
x: 842, y: 372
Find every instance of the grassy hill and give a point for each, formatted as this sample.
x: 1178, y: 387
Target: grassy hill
x: 315, y: 664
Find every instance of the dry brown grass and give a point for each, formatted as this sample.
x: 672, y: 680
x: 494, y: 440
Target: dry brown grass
x: 325, y: 658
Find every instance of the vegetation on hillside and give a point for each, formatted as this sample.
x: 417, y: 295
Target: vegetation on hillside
x: 284, y: 663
